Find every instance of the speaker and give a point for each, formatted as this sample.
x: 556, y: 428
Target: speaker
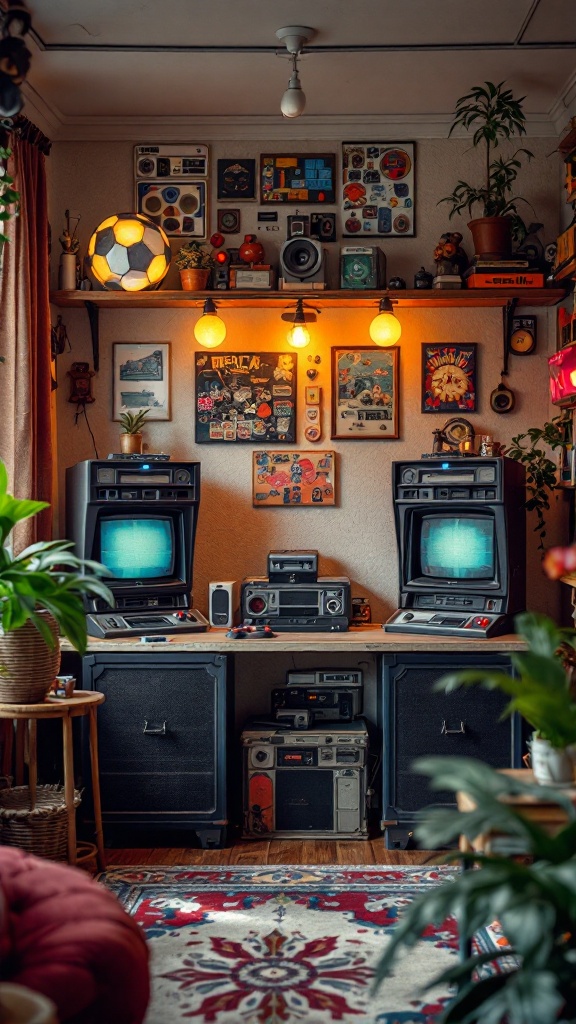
x: 362, y: 266
x: 223, y: 603
x: 302, y: 261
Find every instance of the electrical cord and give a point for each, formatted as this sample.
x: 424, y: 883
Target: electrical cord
x: 81, y: 410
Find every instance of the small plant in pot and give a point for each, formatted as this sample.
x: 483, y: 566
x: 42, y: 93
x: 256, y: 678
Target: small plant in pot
x: 195, y: 263
x: 543, y: 692
x: 41, y: 593
x: 131, y: 436
x: 494, y: 115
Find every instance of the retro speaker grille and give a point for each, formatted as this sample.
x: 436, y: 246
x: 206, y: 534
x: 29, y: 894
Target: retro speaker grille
x: 304, y: 800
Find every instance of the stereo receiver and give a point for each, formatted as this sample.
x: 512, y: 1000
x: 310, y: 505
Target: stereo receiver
x: 323, y: 605
x: 324, y: 703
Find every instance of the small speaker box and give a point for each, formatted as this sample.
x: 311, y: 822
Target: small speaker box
x: 223, y: 603
x: 362, y: 266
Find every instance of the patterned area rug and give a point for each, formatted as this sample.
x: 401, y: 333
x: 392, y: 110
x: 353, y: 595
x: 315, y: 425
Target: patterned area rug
x: 283, y: 945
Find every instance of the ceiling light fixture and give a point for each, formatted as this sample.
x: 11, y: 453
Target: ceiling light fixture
x: 299, y: 336
x: 385, y: 329
x: 294, y: 38
x: 209, y: 330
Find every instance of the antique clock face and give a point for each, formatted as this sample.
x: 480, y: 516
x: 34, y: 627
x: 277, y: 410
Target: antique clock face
x: 523, y: 336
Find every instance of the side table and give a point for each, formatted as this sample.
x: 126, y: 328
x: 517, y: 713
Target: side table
x: 80, y: 704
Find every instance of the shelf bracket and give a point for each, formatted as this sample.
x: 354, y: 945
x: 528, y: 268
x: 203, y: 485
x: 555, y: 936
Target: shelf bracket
x: 93, y: 316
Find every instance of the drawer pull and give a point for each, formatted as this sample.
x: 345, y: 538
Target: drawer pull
x: 159, y: 730
x: 445, y: 731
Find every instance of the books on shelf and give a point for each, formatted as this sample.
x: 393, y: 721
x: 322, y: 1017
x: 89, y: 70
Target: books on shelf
x: 503, y: 278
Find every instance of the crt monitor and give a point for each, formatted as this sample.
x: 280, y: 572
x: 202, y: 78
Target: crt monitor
x: 137, y: 547
x: 454, y: 546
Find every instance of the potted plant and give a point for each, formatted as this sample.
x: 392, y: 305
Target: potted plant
x: 195, y: 263
x: 131, y: 436
x: 494, y: 115
x: 541, y: 472
x: 542, y: 691
x: 533, y: 979
x: 41, y: 593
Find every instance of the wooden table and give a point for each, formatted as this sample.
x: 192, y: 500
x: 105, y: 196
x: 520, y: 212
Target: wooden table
x: 80, y: 704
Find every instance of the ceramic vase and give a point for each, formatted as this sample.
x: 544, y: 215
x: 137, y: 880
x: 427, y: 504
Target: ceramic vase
x: 492, y: 237
x: 68, y: 272
x: 552, y: 766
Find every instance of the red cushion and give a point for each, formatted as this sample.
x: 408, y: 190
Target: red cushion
x: 71, y: 940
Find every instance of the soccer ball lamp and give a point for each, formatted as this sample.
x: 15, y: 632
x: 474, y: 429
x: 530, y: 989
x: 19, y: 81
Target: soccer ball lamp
x: 128, y: 252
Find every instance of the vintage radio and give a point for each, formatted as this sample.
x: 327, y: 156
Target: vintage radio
x: 292, y: 566
x: 321, y: 606
x: 308, y: 784
x: 171, y: 161
x: 362, y: 266
x: 324, y: 703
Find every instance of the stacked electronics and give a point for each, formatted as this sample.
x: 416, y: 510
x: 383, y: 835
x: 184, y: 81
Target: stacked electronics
x: 294, y: 598
x: 305, y: 772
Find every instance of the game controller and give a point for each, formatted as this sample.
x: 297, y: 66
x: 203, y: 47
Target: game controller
x: 252, y: 632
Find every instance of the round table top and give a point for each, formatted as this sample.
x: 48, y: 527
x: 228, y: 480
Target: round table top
x: 80, y: 703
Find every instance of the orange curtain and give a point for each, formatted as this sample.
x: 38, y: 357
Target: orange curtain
x: 26, y: 435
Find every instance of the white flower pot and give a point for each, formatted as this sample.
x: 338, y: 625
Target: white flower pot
x: 551, y: 766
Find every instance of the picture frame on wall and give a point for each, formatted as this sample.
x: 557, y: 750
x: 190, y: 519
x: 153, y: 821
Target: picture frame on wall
x: 378, y: 189
x: 297, y: 178
x: 365, y: 393
x: 449, y: 377
x: 236, y: 180
x: 245, y: 397
x: 141, y: 379
x: 284, y: 479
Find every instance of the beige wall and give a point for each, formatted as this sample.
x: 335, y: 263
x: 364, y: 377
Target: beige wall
x: 357, y: 537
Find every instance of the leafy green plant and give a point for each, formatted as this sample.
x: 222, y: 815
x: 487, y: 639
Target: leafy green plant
x: 194, y: 256
x: 8, y: 195
x: 132, y: 422
x: 530, y: 449
x: 47, y: 575
x: 542, y: 691
x: 535, y: 902
x: 493, y: 114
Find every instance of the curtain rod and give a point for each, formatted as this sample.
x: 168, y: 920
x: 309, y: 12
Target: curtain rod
x: 25, y: 129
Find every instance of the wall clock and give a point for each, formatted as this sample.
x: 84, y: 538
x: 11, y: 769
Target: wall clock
x: 523, y: 335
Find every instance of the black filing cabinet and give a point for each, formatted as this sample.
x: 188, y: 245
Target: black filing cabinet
x: 419, y: 722
x: 163, y: 739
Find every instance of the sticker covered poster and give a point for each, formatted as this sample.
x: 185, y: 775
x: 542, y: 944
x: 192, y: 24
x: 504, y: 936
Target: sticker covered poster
x: 245, y: 396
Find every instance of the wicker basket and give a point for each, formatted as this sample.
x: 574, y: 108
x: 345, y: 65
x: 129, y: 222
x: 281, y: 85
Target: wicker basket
x: 28, y: 664
x: 42, y: 830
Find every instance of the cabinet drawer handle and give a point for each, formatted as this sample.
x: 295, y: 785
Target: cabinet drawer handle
x: 159, y: 730
x: 445, y: 731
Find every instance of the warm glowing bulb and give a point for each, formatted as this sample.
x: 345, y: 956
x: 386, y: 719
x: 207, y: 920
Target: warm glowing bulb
x: 294, y: 100
x: 573, y: 378
x: 298, y: 336
x: 385, y: 329
x: 210, y: 330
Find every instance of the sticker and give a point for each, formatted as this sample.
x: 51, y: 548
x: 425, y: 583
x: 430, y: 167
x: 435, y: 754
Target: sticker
x: 312, y: 433
x: 312, y: 414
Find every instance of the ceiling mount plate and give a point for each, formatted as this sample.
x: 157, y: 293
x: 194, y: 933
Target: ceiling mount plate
x: 295, y: 37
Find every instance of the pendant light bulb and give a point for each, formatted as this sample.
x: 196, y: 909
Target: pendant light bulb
x: 298, y: 336
x: 385, y: 329
x: 293, y: 101
x: 209, y: 330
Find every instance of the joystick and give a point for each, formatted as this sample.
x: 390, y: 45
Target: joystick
x: 251, y: 632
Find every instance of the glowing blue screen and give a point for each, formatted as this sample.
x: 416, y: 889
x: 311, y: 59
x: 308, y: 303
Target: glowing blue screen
x: 137, y: 549
x: 457, y: 548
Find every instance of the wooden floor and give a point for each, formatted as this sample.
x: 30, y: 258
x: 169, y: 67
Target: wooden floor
x: 278, y: 851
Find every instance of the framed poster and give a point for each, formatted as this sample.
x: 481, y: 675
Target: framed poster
x: 365, y: 387
x: 449, y: 378
x: 287, y: 478
x: 245, y: 396
x: 298, y: 178
x: 236, y: 179
x: 141, y: 378
x: 378, y: 199
x: 178, y: 207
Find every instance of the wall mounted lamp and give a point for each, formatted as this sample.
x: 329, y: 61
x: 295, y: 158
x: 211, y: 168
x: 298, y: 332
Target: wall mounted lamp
x: 385, y: 329
x: 209, y: 330
x: 299, y: 336
x: 294, y: 38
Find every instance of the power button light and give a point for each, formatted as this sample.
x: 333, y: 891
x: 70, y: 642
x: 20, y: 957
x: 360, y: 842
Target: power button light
x: 481, y: 621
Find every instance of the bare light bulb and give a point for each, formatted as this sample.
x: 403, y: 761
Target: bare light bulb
x: 385, y: 329
x: 298, y: 336
x: 293, y: 101
x: 209, y: 330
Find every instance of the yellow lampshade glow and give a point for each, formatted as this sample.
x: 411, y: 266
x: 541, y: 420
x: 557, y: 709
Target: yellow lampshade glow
x: 385, y: 329
x: 298, y: 336
x: 209, y: 330
x: 129, y: 252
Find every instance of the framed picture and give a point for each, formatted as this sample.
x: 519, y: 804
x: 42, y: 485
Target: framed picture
x: 449, y: 378
x: 246, y: 396
x: 141, y: 378
x: 378, y: 199
x: 298, y: 178
x: 228, y: 221
x: 179, y: 207
x: 287, y: 478
x: 236, y: 179
x: 365, y: 388
x: 323, y: 226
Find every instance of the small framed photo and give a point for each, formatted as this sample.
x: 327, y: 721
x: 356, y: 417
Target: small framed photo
x: 141, y: 378
x: 283, y: 479
x: 323, y: 226
x: 236, y: 179
x: 312, y: 395
x: 228, y: 221
x: 449, y: 381
x: 365, y: 390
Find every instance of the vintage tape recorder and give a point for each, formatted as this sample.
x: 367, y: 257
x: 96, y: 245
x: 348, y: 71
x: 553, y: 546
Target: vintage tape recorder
x: 317, y: 692
x: 305, y: 784
x: 171, y: 161
x: 322, y: 605
x: 292, y: 566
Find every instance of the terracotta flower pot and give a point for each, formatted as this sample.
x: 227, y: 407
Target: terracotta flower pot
x: 28, y: 665
x: 193, y: 279
x: 131, y: 444
x: 492, y: 237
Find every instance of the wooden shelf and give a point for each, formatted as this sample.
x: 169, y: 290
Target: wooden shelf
x: 253, y: 299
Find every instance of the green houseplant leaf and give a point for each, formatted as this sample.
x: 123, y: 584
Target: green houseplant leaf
x: 132, y: 422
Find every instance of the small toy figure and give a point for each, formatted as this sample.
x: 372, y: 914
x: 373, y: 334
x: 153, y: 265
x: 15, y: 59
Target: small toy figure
x: 449, y: 255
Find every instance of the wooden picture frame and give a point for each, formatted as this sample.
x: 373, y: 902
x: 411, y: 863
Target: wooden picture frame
x: 288, y: 479
x: 449, y: 377
x: 298, y: 178
x: 365, y: 393
x: 236, y: 179
x: 378, y: 189
x: 141, y: 379
x: 245, y: 397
